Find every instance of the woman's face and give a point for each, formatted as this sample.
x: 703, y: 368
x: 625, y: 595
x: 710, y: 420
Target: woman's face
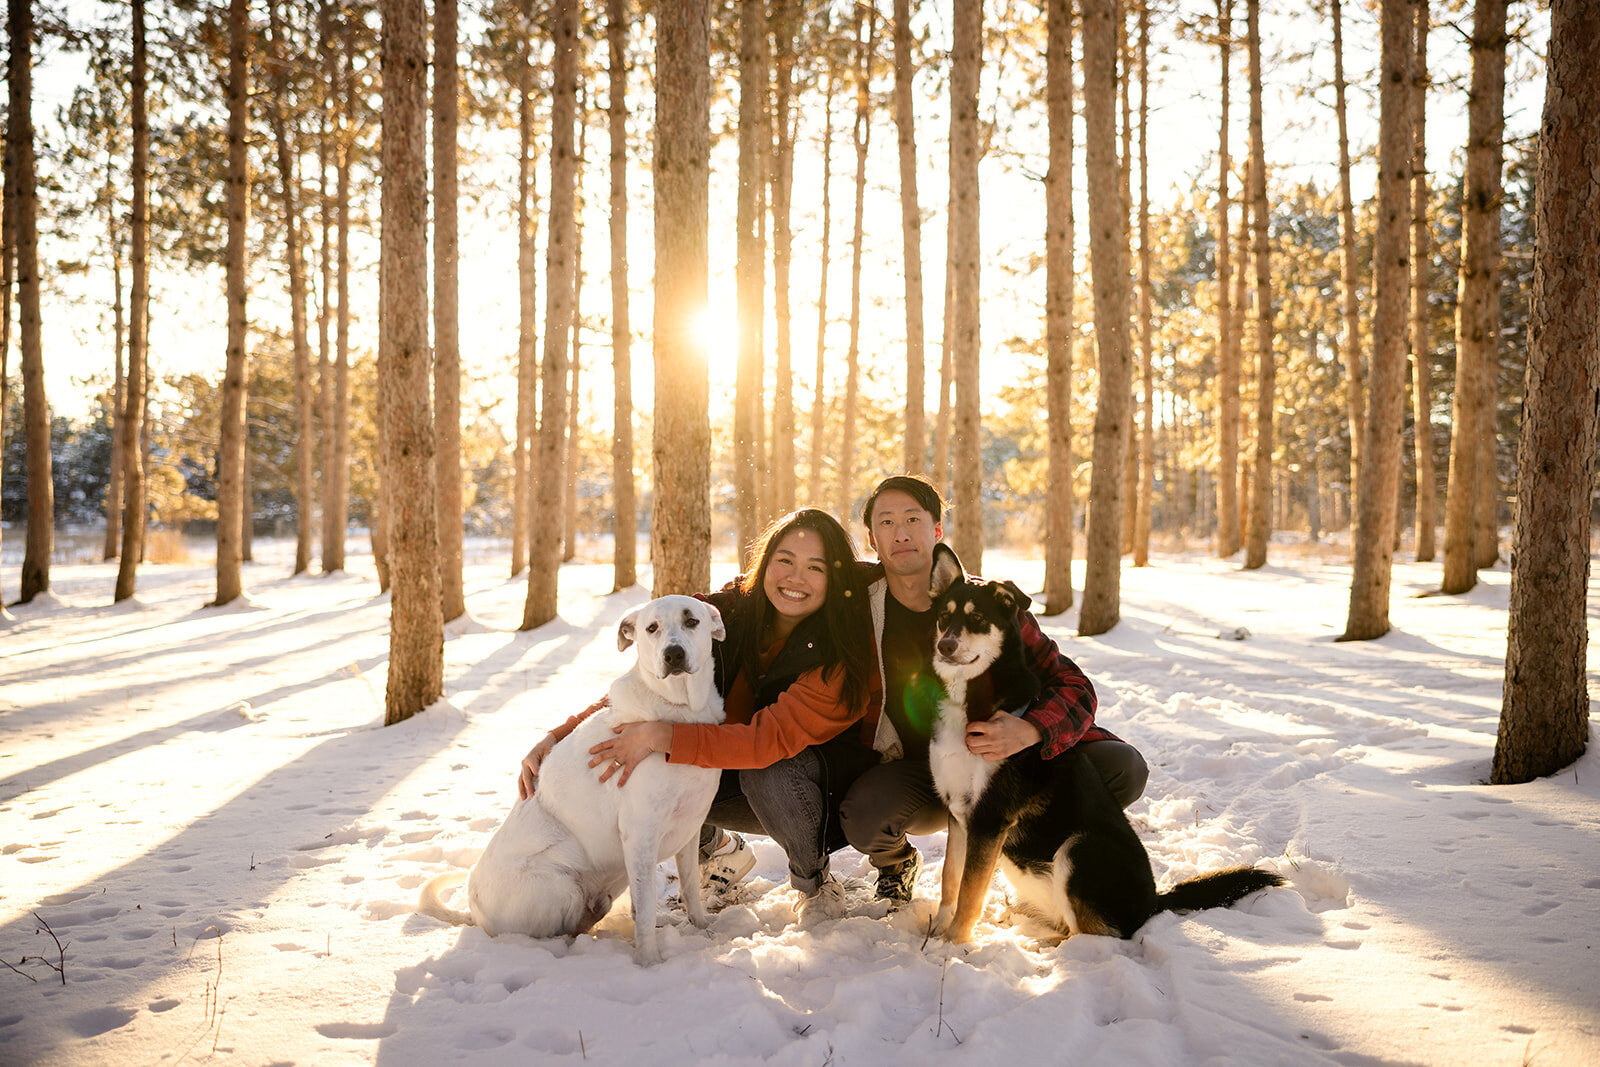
x: 796, y: 581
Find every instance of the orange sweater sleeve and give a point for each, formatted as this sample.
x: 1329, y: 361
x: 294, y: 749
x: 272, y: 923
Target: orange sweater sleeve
x: 560, y: 732
x: 807, y: 713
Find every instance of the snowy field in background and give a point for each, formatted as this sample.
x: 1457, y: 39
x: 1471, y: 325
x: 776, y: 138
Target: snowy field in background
x: 203, y: 805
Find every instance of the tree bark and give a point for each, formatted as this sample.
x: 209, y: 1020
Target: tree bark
x: 1147, y: 454
x: 680, y: 529
x: 130, y: 420
x: 1477, y: 305
x: 326, y: 387
x: 1544, y: 719
x: 446, y: 311
x: 35, y: 408
x: 527, y: 352
x: 1421, y: 348
x: 782, y: 177
x: 571, y: 453
x: 231, y: 496
x: 305, y: 419
x: 1227, y: 345
x: 966, y: 444
x: 544, y: 550
x: 625, y: 507
x: 1380, y: 474
x: 866, y: 36
x: 1266, y: 363
x: 119, y: 387
x: 910, y: 239
x: 1108, y: 258
x: 750, y: 270
x: 339, y: 478
x: 1350, y: 343
x: 819, y: 408
x: 416, y: 623
x: 1058, y: 313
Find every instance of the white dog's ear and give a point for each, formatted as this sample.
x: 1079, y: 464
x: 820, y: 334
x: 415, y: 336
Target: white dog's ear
x: 719, y: 632
x: 625, y: 630
x: 946, y: 570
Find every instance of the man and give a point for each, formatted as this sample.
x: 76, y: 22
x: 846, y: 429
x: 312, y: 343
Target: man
x: 897, y: 797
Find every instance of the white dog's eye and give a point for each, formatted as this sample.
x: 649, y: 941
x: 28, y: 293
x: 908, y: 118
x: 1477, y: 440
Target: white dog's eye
x: 652, y: 628
x: 689, y: 621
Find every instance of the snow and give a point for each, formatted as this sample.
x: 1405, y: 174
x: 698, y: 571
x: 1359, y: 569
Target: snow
x: 204, y: 807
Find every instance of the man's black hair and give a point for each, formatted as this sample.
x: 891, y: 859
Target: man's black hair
x: 915, y: 486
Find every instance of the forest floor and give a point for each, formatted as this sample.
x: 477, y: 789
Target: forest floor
x: 210, y: 847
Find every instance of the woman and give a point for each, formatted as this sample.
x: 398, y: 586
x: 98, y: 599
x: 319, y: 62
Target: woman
x: 795, y: 673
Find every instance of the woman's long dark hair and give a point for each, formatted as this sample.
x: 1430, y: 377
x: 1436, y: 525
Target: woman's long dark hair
x: 844, y: 611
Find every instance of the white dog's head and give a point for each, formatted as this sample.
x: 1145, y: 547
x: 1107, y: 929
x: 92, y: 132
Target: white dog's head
x: 674, y: 635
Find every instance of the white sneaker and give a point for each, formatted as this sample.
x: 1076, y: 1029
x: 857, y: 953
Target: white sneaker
x: 727, y: 866
x: 825, y: 903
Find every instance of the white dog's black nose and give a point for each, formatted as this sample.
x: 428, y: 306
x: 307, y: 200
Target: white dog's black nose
x: 674, y: 660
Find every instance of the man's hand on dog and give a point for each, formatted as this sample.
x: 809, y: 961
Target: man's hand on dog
x: 634, y: 743
x: 1002, y: 736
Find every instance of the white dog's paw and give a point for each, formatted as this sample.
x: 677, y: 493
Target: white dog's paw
x: 647, y: 955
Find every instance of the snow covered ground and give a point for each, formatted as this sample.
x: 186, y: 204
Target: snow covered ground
x: 203, y: 806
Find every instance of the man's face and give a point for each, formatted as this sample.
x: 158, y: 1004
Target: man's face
x: 903, y: 534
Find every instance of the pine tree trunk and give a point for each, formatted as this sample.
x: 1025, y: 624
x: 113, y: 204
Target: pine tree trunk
x: 416, y: 624
x: 130, y: 421
x: 231, y: 450
x: 524, y: 476
x: 1130, y: 466
x: 339, y: 478
x: 940, y: 467
x: 866, y: 36
x: 1477, y: 301
x: 910, y: 239
x: 8, y: 254
x: 1227, y: 540
x: 1058, y: 316
x: 625, y: 506
x: 446, y: 311
x: 35, y: 408
x: 751, y: 270
x: 1108, y: 258
x: 1266, y: 364
x: 326, y: 386
x: 305, y: 429
x: 966, y: 445
x: 819, y: 409
x: 544, y: 548
x: 680, y: 528
x: 1350, y: 345
x: 782, y: 177
x: 119, y: 387
x: 1380, y: 474
x: 572, y: 461
x: 1544, y: 720
x: 1421, y: 346
x: 1147, y: 471
x: 1241, y: 305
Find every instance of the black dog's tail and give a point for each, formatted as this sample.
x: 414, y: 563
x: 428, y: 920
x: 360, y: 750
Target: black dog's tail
x: 1219, y: 889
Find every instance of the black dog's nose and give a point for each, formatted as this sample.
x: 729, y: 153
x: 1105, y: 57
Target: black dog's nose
x: 947, y: 646
x: 674, y: 659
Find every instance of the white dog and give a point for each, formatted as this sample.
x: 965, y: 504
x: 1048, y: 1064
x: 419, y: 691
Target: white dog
x: 563, y: 855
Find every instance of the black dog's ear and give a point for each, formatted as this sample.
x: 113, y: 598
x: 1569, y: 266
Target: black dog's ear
x: 1008, y: 594
x: 947, y: 570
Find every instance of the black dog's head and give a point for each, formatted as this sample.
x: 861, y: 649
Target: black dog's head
x: 974, y: 622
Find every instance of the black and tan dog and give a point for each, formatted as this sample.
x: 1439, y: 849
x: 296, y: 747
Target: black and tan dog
x: 1062, y: 839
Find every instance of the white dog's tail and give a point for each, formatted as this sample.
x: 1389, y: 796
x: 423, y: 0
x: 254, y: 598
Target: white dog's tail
x: 429, y: 902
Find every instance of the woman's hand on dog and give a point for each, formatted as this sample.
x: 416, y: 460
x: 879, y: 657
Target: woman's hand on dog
x: 528, y: 772
x: 1001, y: 736
x: 634, y: 743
